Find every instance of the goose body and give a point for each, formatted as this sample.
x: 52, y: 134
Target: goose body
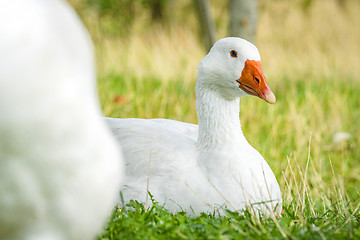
x: 199, y: 168
x: 60, y: 167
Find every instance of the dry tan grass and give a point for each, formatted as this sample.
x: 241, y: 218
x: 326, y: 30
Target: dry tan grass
x: 321, y: 41
x: 153, y: 54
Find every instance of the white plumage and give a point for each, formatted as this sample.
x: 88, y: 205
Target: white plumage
x: 199, y: 168
x: 60, y: 168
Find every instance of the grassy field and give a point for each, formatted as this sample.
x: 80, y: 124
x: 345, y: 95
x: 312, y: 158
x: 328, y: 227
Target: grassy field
x: 311, y: 57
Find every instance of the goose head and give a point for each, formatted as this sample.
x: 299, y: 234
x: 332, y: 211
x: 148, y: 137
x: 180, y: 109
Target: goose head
x: 233, y: 69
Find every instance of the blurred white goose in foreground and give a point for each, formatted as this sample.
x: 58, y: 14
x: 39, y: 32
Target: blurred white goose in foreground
x: 59, y: 164
x: 196, y: 168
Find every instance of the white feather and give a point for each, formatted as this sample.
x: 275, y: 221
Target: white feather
x: 59, y: 165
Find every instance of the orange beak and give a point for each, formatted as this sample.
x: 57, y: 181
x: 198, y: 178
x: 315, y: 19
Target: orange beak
x: 253, y: 81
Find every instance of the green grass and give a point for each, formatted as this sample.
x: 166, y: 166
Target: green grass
x: 147, y: 98
x: 136, y: 222
x: 319, y: 179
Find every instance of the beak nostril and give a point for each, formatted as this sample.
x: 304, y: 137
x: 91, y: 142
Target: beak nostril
x: 257, y: 80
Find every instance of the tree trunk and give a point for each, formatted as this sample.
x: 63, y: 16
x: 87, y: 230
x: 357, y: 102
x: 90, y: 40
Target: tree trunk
x: 243, y: 19
x: 157, y: 9
x: 206, y: 23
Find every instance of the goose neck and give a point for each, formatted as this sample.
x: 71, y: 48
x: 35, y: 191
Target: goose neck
x: 219, y: 124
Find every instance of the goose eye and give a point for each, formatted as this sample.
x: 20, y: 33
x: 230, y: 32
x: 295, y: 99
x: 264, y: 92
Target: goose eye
x: 233, y: 53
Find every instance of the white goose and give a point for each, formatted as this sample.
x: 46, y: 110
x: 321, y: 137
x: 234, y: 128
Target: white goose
x: 197, y: 168
x: 59, y: 164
